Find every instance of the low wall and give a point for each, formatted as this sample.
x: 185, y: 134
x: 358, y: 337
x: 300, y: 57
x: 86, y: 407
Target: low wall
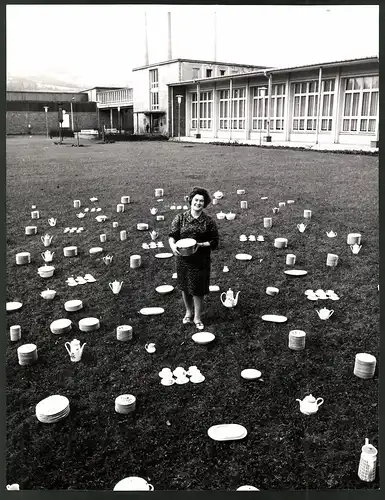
x: 17, y: 121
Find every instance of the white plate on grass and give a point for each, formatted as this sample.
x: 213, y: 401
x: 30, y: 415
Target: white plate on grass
x: 13, y: 306
x: 250, y: 374
x: 243, y: 256
x: 227, y: 432
x: 296, y: 272
x: 95, y: 250
x: 147, y: 311
x: 274, y: 318
x: 165, y: 255
x: 214, y: 288
x: 203, y: 338
x: 164, y: 289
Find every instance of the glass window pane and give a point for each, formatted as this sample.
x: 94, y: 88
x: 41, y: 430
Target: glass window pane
x: 348, y: 102
x: 302, y: 106
x: 279, y: 106
x: 302, y: 124
x: 331, y: 105
x: 242, y: 109
x: 372, y: 126
x: 309, y: 125
x: 365, y: 104
x: 375, y: 82
x: 310, y: 109
x: 356, y: 97
x: 323, y: 124
x: 373, y: 103
x: 349, y: 83
x: 296, y: 88
x: 325, y: 105
x: 295, y: 124
x: 367, y: 82
x: 353, y: 126
x: 312, y: 87
x: 363, y: 125
x: 303, y: 88
x: 345, y: 126
x: 358, y: 83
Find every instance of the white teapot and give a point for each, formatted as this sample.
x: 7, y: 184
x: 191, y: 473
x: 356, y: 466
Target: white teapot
x: 331, y: 234
x: 46, y: 239
x: 52, y: 221
x: 301, y: 227
x: 107, y: 259
x: 154, y: 211
x: 309, y: 404
x: 116, y: 286
x: 324, y: 313
x: 355, y: 248
x: 75, y: 350
x: 47, y: 256
x: 154, y: 234
x: 230, y: 300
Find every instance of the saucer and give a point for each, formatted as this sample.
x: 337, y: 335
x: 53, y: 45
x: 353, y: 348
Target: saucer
x: 250, y: 374
x: 227, y: 432
x: 13, y: 306
x: 243, y: 256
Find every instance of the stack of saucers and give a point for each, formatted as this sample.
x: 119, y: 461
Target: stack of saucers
x: 30, y: 230
x: 73, y: 305
x: 321, y: 294
x: 52, y: 409
x: 125, y: 404
x: 23, y: 258
x: 89, y: 324
x: 332, y: 295
x: 297, y: 340
x: 61, y: 326
x: 27, y: 354
x: 70, y: 251
x: 365, y: 365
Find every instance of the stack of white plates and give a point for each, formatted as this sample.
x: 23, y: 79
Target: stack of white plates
x: 297, y: 340
x: 365, y: 365
x: 142, y: 226
x: 120, y: 207
x: 125, y: 200
x: 332, y: 260
x: 280, y: 242
x: 354, y: 238
x: 124, y: 333
x: 135, y: 261
x: 95, y: 250
x: 73, y: 305
x: 31, y: 230
x: 52, y: 409
x: 125, y: 404
x: 23, y: 258
x: 70, y: 251
x: 27, y: 354
x: 61, y: 326
x: 89, y: 324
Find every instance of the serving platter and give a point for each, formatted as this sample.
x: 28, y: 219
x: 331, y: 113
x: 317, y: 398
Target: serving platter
x: 163, y: 289
x: 250, y: 374
x: 203, y: 338
x: 13, y: 306
x: 295, y: 272
x: 165, y: 255
x: 243, y: 256
x: 227, y: 432
x: 147, y: 311
x: 274, y: 318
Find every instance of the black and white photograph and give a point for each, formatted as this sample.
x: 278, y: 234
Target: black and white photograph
x: 192, y: 247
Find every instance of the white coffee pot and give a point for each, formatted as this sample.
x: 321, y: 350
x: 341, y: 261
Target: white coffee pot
x: 324, y: 313
x: 74, y: 350
x: 229, y: 300
x: 301, y: 227
x: 52, y: 221
x: 107, y: 259
x: 116, y: 286
x: 355, y: 248
x: 46, y: 239
x: 47, y: 256
x: 154, y: 234
x: 309, y: 404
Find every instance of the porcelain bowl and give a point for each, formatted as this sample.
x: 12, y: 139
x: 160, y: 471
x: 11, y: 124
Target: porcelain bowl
x: 48, y: 294
x: 221, y: 215
x: 186, y: 246
x: 46, y: 271
x: 230, y: 216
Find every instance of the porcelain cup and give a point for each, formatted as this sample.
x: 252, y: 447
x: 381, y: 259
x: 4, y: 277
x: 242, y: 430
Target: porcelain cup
x: 150, y: 348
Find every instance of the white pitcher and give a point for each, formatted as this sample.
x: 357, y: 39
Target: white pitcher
x: 107, y: 259
x: 116, y: 286
x: 324, y: 313
x: 74, y: 350
x: 46, y: 239
x: 355, y: 248
x: 47, y: 256
x: 52, y: 221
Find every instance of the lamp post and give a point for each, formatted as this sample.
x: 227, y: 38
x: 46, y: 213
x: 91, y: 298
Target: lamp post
x: 262, y: 93
x: 179, y: 97
x: 72, y: 114
x: 46, y: 118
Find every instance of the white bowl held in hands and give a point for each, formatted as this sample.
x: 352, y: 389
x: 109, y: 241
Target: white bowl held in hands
x: 186, y: 246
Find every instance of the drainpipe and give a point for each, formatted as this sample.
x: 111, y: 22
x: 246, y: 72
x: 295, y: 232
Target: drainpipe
x: 270, y: 78
x: 172, y: 111
x: 318, y: 105
x: 198, y: 108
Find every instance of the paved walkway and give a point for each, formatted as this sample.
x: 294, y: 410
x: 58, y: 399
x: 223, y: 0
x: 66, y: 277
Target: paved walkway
x: 305, y: 145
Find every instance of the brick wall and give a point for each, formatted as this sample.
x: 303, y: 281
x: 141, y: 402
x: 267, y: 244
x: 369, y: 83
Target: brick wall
x: 17, y: 121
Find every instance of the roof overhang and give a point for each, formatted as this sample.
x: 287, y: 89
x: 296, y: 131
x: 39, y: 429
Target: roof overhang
x: 148, y: 112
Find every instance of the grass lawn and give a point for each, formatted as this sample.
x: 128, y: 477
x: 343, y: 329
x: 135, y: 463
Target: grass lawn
x: 165, y: 440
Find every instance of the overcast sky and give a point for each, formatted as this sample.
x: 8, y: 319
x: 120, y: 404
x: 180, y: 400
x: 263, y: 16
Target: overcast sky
x: 100, y: 44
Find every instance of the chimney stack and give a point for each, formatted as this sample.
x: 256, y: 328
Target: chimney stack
x: 146, y: 63
x: 169, y: 53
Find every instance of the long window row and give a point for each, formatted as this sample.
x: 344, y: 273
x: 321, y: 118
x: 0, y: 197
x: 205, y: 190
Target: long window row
x: 359, y: 106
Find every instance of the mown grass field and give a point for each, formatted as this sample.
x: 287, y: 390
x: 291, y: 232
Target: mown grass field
x: 166, y: 440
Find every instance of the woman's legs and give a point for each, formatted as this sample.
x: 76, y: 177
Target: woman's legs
x: 189, y: 303
x: 198, y: 306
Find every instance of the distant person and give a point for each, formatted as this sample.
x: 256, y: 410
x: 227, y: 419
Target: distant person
x: 193, y: 272
x: 147, y: 128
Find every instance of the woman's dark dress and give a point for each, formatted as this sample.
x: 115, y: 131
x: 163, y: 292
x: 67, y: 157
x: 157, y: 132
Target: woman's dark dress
x: 194, y: 271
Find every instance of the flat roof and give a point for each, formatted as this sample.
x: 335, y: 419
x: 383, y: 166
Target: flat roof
x: 198, y: 61
x: 273, y: 70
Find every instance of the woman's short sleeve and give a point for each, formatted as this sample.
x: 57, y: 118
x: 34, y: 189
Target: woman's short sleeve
x: 175, y: 228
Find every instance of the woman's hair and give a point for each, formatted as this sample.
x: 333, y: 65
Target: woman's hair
x: 203, y: 192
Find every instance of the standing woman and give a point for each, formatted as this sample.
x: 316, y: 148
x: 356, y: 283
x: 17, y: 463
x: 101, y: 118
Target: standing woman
x: 194, y: 271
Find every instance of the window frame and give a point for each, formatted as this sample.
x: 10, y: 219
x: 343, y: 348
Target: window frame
x: 356, y: 120
x: 154, y: 89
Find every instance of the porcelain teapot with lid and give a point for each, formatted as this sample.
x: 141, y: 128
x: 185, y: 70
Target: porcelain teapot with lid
x: 301, y: 227
x: 355, y: 248
x: 325, y: 313
x: 47, y: 256
x: 230, y: 300
x: 331, y: 234
x: 107, y: 259
x: 115, y: 286
x: 309, y: 404
x: 74, y: 350
x: 52, y: 221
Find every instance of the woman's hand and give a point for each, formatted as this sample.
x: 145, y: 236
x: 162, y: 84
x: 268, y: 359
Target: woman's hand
x: 175, y: 250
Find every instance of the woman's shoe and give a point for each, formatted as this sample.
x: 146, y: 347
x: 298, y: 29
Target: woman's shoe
x: 186, y: 320
x: 199, y: 325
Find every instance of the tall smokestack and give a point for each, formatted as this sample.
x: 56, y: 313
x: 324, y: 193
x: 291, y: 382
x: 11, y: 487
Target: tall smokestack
x: 169, y: 52
x: 215, y: 36
x: 146, y: 63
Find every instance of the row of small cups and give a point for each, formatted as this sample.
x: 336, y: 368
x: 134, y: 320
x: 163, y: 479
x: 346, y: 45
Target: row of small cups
x: 251, y: 237
x: 167, y: 376
x: 321, y: 294
x: 153, y: 244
